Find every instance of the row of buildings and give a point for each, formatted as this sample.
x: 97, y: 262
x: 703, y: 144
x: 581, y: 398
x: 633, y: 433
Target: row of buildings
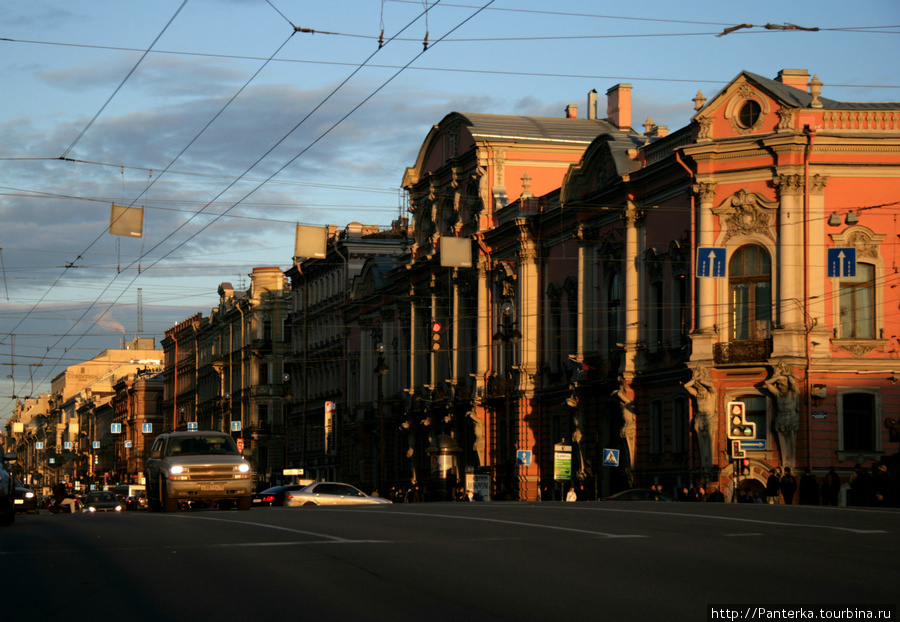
x: 571, y: 301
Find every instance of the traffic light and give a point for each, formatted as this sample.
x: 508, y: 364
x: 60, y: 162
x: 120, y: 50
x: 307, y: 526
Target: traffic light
x: 745, y: 466
x: 738, y: 426
x: 435, y: 336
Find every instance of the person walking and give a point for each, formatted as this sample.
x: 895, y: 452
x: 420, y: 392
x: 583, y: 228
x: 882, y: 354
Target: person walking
x: 773, y: 485
x: 809, y: 488
x: 788, y: 486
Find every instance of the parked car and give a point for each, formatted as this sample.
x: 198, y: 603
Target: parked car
x: 102, y: 501
x: 639, y: 494
x: 7, y: 490
x: 330, y: 493
x: 26, y: 501
x: 197, y: 467
x: 274, y: 495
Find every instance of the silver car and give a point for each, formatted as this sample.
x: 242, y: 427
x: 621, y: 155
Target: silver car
x: 330, y: 493
x: 187, y: 467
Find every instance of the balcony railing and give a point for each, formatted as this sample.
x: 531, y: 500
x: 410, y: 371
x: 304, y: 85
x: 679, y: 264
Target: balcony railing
x: 742, y: 352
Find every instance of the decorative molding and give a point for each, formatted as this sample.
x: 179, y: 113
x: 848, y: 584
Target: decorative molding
x: 747, y: 213
x: 866, y: 242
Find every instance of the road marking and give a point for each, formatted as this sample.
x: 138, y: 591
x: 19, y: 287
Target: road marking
x: 509, y: 522
x: 741, y: 535
x: 276, y: 527
x: 743, y: 520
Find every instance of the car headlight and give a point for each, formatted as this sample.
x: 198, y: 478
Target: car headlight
x: 29, y: 495
x: 91, y: 509
x: 244, y: 467
x: 175, y: 470
x: 118, y: 508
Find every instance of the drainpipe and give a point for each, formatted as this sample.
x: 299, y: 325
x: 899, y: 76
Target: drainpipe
x: 811, y: 137
x: 693, y: 259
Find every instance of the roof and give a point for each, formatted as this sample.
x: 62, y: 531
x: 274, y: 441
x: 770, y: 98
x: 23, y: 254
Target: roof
x: 802, y: 99
x: 536, y: 129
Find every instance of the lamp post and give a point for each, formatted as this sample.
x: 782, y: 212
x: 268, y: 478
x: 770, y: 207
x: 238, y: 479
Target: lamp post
x: 381, y: 370
x: 508, y: 334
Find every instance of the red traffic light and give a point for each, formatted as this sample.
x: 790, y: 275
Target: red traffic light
x: 435, y: 336
x: 435, y: 327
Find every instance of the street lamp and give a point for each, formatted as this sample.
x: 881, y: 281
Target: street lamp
x: 381, y: 370
x: 508, y: 334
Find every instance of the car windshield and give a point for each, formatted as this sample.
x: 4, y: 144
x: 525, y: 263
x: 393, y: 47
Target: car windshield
x: 102, y: 496
x: 201, y: 445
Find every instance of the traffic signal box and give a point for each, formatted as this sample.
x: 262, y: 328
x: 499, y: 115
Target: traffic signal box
x: 435, y: 336
x: 738, y: 427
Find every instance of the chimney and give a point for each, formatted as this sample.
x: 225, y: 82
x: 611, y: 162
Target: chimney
x: 618, y: 106
x: 592, y: 104
x: 797, y: 78
x: 571, y: 111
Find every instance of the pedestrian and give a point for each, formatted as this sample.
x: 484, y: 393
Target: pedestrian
x: 859, y: 487
x: 773, y: 485
x: 716, y: 496
x: 572, y: 495
x: 883, y: 487
x: 788, y: 486
x: 809, y: 488
x: 834, y: 485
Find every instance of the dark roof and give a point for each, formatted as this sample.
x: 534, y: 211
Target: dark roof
x: 802, y: 99
x: 537, y: 129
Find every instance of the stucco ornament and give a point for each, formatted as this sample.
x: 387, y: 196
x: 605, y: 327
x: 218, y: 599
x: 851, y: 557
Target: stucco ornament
x: 784, y: 388
x: 629, y: 423
x: 706, y: 422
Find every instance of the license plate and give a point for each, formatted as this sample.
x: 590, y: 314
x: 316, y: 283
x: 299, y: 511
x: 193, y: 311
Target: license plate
x: 212, y: 487
x: 19, y: 501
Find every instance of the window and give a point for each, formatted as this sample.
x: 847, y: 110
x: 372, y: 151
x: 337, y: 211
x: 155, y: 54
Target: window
x: 656, y: 427
x: 679, y: 426
x: 657, y: 316
x: 682, y: 307
x: 857, y: 310
x: 749, y: 114
x: 756, y: 411
x: 750, y: 280
x: 858, y: 428
x: 616, y: 312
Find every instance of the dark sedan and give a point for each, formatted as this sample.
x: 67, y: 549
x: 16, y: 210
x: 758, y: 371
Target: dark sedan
x: 273, y: 496
x: 639, y: 494
x: 25, y: 500
x: 102, y: 501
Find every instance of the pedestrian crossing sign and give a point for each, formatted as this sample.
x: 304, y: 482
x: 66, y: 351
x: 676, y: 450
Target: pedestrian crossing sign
x: 611, y: 457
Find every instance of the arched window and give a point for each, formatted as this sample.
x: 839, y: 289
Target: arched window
x: 750, y: 280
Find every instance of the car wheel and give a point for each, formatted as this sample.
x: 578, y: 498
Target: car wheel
x: 310, y: 503
x: 243, y: 503
x: 168, y: 505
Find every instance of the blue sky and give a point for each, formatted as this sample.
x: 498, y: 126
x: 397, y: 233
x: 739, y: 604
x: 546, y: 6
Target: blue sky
x: 235, y: 126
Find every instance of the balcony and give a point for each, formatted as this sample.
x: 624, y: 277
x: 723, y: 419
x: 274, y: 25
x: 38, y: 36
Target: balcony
x: 736, y: 352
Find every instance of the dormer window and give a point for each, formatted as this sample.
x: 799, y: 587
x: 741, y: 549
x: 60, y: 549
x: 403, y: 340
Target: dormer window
x: 749, y: 114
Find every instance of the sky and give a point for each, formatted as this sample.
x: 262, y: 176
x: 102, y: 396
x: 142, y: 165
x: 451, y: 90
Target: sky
x: 231, y: 121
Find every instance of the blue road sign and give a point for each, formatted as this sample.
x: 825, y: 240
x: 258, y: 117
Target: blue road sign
x: 610, y: 457
x: 523, y: 457
x: 115, y: 428
x: 758, y: 444
x: 710, y: 261
x: 147, y: 428
x: 841, y: 262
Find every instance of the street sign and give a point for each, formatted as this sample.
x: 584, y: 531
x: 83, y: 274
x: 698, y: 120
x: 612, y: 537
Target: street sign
x: 235, y: 426
x: 611, y: 457
x: 562, y: 462
x: 842, y: 262
x: 95, y: 445
x: 758, y: 444
x: 710, y: 261
x: 128, y: 444
x: 193, y: 426
x: 39, y: 444
x: 67, y: 445
x: 240, y: 445
x: 523, y: 457
x: 293, y: 471
x: 147, y: 428
x: 115, y: 428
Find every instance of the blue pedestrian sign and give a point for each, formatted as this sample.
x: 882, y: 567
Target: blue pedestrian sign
x: 611, y: 457
x: 523, y: 457
x: 841, y: 262
x: 710, y: 261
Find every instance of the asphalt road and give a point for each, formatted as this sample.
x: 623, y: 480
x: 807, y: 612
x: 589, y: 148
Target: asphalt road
x: 468, y: 561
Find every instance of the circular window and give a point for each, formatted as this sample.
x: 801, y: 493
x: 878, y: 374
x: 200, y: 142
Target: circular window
x: 749, y: 114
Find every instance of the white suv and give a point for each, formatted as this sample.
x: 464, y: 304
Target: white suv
x: 197, y: 466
